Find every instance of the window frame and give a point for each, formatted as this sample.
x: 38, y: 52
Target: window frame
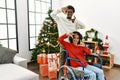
x: 7, y: 24
x: 35, y: 12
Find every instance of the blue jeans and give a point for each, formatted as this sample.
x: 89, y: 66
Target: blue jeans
x: 91, y: 72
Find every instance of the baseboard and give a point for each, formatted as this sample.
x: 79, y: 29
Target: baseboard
x: 116, y: 65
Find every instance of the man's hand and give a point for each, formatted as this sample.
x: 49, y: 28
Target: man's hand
x: 73, y: 19
x: 64, y: 10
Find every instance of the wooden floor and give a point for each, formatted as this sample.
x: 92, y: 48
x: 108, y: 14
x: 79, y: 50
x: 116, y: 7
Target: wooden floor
x: 112, y: 74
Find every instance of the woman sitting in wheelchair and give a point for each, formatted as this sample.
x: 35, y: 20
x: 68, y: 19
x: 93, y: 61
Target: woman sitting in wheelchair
x: 76, y: 49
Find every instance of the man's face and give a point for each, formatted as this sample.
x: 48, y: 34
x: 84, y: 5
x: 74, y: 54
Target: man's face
x: 69, y: 13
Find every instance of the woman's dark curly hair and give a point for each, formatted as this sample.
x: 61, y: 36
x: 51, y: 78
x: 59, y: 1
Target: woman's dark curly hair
x: 80, y: 37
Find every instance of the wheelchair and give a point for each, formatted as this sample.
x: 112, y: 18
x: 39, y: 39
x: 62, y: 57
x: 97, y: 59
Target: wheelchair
x: 66, y: 72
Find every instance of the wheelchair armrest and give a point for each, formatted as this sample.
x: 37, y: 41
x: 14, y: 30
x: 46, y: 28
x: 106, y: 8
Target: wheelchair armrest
x: 98, y: 57
x: 74, y: 59
x: 68, y: 58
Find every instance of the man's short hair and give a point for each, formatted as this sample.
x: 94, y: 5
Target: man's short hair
x: 71, y: 7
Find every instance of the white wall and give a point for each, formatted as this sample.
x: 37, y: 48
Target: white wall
x: 102, y: 15
x: 22, y: 23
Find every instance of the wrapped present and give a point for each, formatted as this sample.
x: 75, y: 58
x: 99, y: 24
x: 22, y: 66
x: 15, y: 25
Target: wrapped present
x: 53, y: 65
x: 42, y: 59
x: 52, y: 61
x: 43, y: 69
x: 52, y: 73
x: 58, y: 60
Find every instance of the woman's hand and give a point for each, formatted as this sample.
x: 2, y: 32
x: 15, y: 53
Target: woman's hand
x: 70, y: 34
x: 82, y: 44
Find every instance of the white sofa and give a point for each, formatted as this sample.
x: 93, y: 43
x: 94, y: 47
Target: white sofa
x: 17, y: 70
x: 20, y: 61
x: 13, y: 67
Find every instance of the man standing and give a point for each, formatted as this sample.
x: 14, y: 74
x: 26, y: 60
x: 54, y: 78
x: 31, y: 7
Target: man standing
x: 66, y: 23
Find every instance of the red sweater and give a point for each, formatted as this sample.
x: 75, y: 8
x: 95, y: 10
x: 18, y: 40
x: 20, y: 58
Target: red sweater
x: 74, y: 51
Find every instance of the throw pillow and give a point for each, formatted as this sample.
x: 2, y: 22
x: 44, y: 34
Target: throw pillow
x: 6, y: 55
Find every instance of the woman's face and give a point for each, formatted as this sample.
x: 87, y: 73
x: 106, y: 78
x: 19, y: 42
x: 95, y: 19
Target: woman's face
x: 75, y: 39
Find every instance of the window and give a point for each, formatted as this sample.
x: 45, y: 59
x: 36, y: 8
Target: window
x: 8, y: 24
x: 37, y: 12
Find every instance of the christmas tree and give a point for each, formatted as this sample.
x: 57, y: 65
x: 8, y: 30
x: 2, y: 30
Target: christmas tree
x: 47, y: 39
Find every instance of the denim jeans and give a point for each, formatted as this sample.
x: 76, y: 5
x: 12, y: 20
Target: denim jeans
x: 92, y: 72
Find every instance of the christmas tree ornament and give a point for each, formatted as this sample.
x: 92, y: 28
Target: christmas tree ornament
x: 43, y: 51
x: 42, y: 41
x: 55, y: 26
x: 46, y: 39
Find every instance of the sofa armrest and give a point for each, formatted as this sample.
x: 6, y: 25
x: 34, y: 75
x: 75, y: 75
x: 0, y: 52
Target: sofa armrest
x: 20, y: 61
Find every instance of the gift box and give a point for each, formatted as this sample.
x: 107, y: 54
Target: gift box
x: 52, y: 74
x: 43, y: 69
x: 49, y: 64
x: 58, y: 60
x: 42, y: 59
x: 52, y: 62
x: 53, y: 65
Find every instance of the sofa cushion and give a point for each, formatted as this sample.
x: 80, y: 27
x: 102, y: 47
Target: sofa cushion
x: 14, y: 72
x: 6, y: 55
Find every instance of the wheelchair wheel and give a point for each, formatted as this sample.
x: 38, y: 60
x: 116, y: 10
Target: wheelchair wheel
x: 66, y: 73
